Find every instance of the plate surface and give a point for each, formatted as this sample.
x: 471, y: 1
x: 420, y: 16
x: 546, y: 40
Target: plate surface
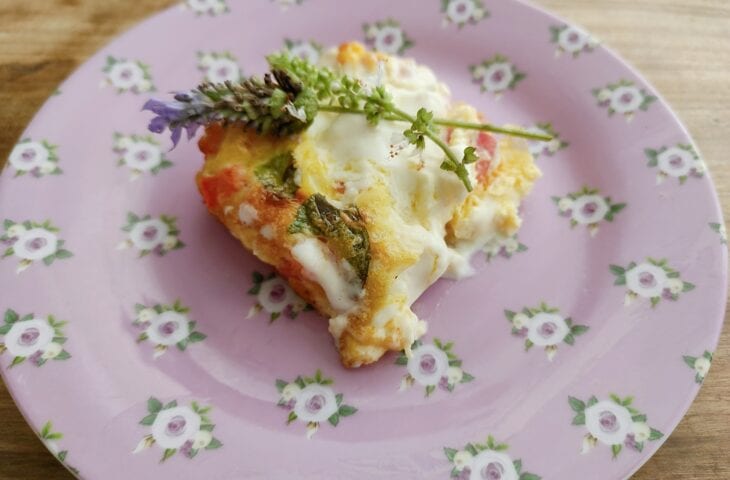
x: 583, y: 339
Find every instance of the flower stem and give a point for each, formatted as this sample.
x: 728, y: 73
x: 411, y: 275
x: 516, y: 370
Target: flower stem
x: 485, y: 127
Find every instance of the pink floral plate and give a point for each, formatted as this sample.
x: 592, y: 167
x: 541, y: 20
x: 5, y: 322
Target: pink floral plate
x: 141, y: 341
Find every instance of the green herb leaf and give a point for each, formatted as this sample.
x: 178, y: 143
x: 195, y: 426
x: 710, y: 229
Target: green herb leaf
x: 277, y: 174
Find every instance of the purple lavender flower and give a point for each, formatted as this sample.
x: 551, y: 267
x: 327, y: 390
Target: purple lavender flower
x: 176, y: 115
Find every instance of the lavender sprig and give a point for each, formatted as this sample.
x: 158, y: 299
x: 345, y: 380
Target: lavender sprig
x: 287, y: 100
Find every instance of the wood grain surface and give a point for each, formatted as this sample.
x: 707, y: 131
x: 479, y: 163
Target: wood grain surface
x: 682, y: 46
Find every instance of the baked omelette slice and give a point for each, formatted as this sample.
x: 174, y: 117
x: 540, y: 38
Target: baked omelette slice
x: 357, y: 220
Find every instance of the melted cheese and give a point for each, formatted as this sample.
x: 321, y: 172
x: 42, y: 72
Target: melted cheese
x: 427, y: 211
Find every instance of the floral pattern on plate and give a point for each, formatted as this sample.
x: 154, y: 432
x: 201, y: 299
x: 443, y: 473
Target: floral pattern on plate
x: 463, y: 12
x: 176, y: 429
x: 387, y: 36
x: 432, y: 365
x: 207, y: 7
x: 311, y: 400
x: 127, y: 75
x: 166, y: 326
x: 503, y: 247
x: 32, y: 338
x: 275, y: 297
x: 34, y: 158
x: 613, y: 422
x: 147, y: 235
x: 219, y: 67
x: 32, y: 242
x: 680, y: 161
x: 720, y: 229
x: 550, y: 148
x: 140, y: 154
x: 653, y: 279
x: 624, y: 98
x: 308, y: 50
x: 700, y: 365
x: 486, y: 460
x: 496, y: 75
x: 572, y: 40
x: 587, y: 207
x: 50, y: 440
x: 544, y: 326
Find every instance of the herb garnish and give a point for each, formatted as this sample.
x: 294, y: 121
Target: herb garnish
x: 287, y: 99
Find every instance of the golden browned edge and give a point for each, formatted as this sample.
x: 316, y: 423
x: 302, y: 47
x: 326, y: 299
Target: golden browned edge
x: 44, y: 40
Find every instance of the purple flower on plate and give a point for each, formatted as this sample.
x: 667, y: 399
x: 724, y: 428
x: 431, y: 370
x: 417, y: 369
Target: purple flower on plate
x: 127, y: 75
x: 151, y: 235
x: 34, y: 158
x: 545, y: 327
x: 207, y: 7
x: 275, y: 297
x: 587, y: 207
x: 432, y: 365
x: 488, y: 460
x: 32, y: 242
x: 572, y: 40
x: 614, y: 422
x: 623, y: 97
x: 140, y: 153
x: 463, y: 12
x: 37, y: 339
x: 680, y: 161
x: 496, y: 75
x: 387, y: 36
x: 504, y: 247
x: 176, y: 429
x: 166, y: 326
x: 653, y: 279
x: 311, y: 400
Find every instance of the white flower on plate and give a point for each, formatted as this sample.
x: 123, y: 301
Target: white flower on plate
x: 497, y: 77
x: 212, y: 7
x: 315, y: 403
x: 626, y: 99
x: 428, y: 365
x: 389, y: 39
x: 493, y: 465
x: 47, y: 168
x: 589, y: 209
x: 641, y: 431
x: 460, y: 11
x: 536, y: 147
x: 142, y: 156
x: 702, y: 366
x: 51, y: 351
x: 202, y: 439
x: 290, y: 392
x: 604, y: 95
x: 16, y: 230
x: 146, y: 315
x: 305, y: 51
x: 35, y: 244
x: 125, y: 75
x: 454, y: 375
x: 675, y: 286
x: 646, y: 280
x: 29, y: 155
x: 547, y: 329
x: 168, y: 328
x: 676, y: 162
x: 511, y: 245
x: 565, y: 204
x: 520, y: 321
x: 26, y: 337
x: 148, y: 234
x: 221, y: 69
x: 462, y: 459
x: 573, y: 40
x: 175, y: 426
x: 275, y: 295
x: 170, y: 242
x: 608, y: 422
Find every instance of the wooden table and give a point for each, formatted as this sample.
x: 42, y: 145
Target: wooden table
x: 683, y: 47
